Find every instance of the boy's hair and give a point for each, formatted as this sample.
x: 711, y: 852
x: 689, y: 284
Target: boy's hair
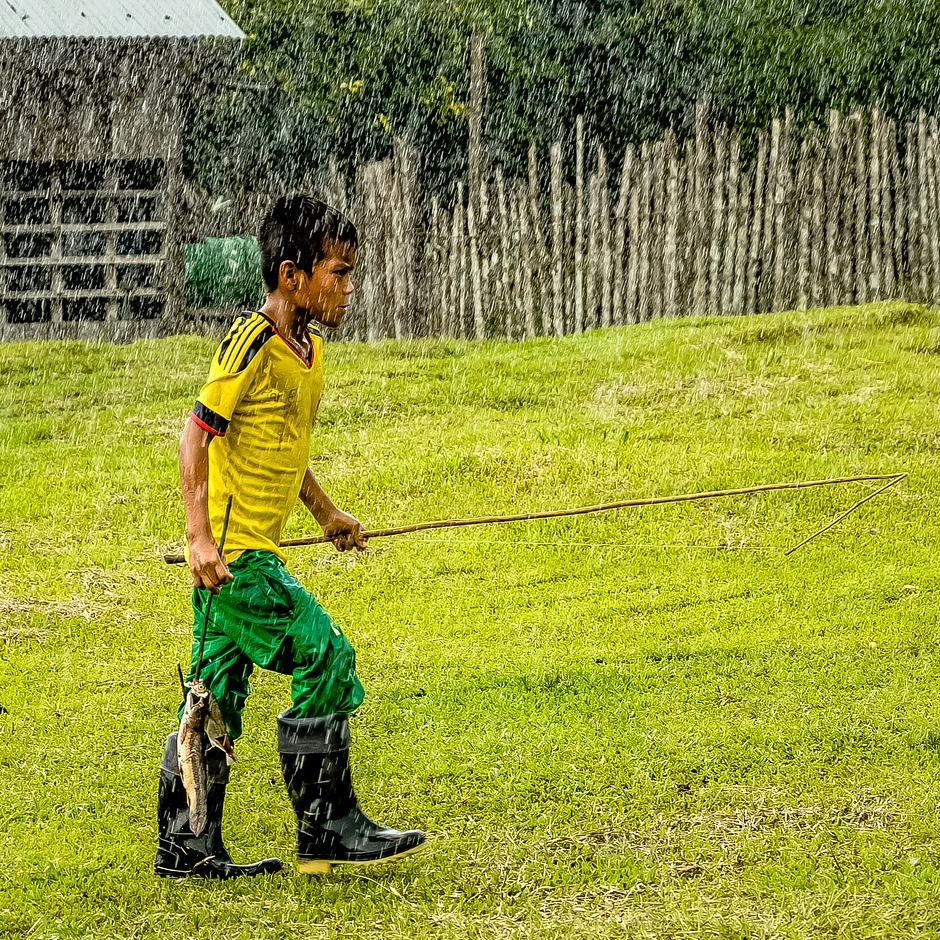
x: 304, y: 230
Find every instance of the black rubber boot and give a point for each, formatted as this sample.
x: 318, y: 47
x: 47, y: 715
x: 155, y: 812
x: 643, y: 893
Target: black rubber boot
x: 180, y: 853
x: 331, y: 828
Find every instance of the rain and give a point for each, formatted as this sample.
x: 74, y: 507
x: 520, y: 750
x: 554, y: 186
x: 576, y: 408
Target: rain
x: 520, y: 168
x: 634, y: 402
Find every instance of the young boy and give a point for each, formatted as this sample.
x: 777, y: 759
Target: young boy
x: 248, y: 437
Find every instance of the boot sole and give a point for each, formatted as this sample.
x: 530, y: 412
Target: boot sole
x: 323, y: 866
x: 181, y: 873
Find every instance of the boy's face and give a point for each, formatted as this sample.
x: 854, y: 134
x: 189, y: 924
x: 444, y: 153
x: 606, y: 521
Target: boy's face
x: 326, y: 293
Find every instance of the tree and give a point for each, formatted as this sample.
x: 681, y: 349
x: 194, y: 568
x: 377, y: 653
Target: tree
x: 346, y: 77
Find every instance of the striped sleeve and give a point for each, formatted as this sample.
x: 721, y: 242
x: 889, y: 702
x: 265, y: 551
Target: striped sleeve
x: 232, y: 367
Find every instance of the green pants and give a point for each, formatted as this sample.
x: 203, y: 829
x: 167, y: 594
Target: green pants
x: 266, y: 617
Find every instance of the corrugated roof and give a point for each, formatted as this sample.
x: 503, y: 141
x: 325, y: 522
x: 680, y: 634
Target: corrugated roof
x: 114, y: 19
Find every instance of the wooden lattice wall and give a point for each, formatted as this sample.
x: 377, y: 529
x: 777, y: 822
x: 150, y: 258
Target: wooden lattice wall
x: 90, y: 181
x: 83, y: 241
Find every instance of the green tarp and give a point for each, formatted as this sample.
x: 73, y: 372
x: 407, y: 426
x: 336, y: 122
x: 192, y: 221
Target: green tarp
x: 223, y: 272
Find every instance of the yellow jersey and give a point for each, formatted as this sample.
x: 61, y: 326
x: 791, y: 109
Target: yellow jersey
x: 259, y: 403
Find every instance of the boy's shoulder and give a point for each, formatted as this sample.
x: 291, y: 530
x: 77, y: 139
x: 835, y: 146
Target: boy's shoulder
x: 246, y: 337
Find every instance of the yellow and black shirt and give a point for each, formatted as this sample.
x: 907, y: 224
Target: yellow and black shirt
x: 259, y: 401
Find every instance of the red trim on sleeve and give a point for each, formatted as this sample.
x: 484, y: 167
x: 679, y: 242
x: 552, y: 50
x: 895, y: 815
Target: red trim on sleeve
x: 206, y: 427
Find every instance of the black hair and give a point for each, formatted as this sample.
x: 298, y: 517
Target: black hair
x: 301, y: 229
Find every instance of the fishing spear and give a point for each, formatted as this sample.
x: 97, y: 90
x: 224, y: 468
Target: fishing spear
x: 890, y: 480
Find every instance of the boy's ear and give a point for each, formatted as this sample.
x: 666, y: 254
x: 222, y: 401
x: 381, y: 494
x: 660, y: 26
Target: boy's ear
x: 287, y: 275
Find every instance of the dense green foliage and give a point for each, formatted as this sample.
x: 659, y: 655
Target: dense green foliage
x: 348, y: 76
x: 640, y: 724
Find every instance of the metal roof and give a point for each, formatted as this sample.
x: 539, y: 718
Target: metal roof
x: 25, y: 19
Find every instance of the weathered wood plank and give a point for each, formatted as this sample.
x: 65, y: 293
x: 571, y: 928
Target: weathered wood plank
x: 803, y: 241
x: 579, y: 225
x: 717, y: 233
x: 620, y: 234
x: 700, y: 224
x: 558, y: 205
x: 671, y: 227
x: 729, y: 273
x: 752, y: 291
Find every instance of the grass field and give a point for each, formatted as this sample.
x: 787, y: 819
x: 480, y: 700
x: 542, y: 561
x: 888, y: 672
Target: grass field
x: 647, y: 723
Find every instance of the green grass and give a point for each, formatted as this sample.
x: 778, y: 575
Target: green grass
x: 646, y: 723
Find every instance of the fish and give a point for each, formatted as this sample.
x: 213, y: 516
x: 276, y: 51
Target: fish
x: 191, y: 750
x: 202, y: 727
x: 216, y: 730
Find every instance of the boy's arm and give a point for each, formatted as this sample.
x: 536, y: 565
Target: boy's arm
x: 206, y: 566
x: 344, y: 530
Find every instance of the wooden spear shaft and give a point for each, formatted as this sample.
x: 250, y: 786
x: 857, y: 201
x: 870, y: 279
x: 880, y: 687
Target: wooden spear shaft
x: 601, y: 507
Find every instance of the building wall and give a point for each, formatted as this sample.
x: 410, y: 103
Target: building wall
x: 90, y: 178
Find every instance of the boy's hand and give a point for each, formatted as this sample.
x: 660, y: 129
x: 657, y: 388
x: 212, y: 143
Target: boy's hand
x: 345, y: 531
x: 207, y: 567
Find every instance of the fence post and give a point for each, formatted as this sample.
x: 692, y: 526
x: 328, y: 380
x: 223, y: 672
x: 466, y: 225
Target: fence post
x: 525, y: 258
x: 700, y: 225
x: 729, y: 268
x: 873, y: 179
x: 620, y: 233
x: 370, y: 288
x: 803, y: 244
x: 834, y: 196
x: 861, y: 239
x: 476, y: 294
x: 782, y: 228
x: 505, y: 255
x: 910, y: 216
x: 657, y: 228
x: 633, y: 253
x: 558, y: 205
x: 741, y: 264
x: 405, y: 249
x: 926, y: 277
x: 717, y: 220
x: 604, y: 253
x: 579, y: 224
x: 435, y: 285
x: 752, y: 293
x: 888, y: 142
x: 591, y: 293
x: 671, y: 227
x: 767, y: 266
x: 818, y: 244
x: 485, y: 235
x: 458, y: 265
x: 538, y: 239
x: 643, y: 240
x: 933, y: 208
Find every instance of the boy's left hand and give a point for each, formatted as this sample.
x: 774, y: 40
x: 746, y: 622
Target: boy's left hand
x: 345, y: 531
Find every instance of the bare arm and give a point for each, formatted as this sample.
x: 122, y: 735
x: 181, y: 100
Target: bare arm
x: 205, y: 564
x: 344, y: 530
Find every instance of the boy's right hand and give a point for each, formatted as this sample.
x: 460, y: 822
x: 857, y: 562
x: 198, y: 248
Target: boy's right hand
x: 207, y: 567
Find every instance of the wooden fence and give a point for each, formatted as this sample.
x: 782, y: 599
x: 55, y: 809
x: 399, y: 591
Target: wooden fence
x: 845, y: 214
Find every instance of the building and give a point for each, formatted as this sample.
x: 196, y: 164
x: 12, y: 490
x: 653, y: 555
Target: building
x: 90, y: 160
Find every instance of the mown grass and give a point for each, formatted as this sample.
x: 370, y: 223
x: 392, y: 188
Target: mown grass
x: 648, y: 723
